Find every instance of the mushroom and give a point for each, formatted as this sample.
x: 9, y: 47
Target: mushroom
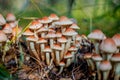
x: 51, y: 36
x: 13, y: 24
x: 57, y: 49
x: 28, y: 32
x: 62, y: 65
x: 62, y: 40
x: 58, y: 35
x: 109, y: 47
x: 116, y: 39
x: 45, y: 20
x: 10, y: 17
x: 68, y: 57
x: 87, y: 57
x: 42, y: 31
x: 2, y: 20
x: 69, y: 33
x: 73, y: 50
x: 116, y: 58
x: 97, y: 59
x: 31, y: 44
x: 53, y: 17
x: 41, y: 43
x: 96, y: 36
x: 47, y: 51
x: 3, y: 39
x: 105, y: 67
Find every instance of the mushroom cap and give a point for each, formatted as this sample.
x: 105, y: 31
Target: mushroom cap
x: 72, y: 48
x: 62, y: 39
x: 108, y: 45
x: 45, y: 20
x: 2, y: 20
x: 51, y: 35
x: 42, y: 29
x: 31, y: 38
x: 13, y: 24
x: 53, y: 17
x: 68, y: 55
x: 10, y: 17
x: 78, y: 37
x: 116, y: 39
x: 28, y: 32
x: 16, y: 31
x: 74, y: 26
x: 87, y: 55
x: 105, y: 66
x: 47, y: 49
x: 51, y: 30
x: 65, y: 21
x: 58, y: 34
x: 97, y: 35
x: 62, y: 64
x: 35, y: 25
x: 70, y: 32
x: 3, y: 37
x: 7, y: 29
x: 42, y: 40
x: 115, y: 57
x: 97, y: 57
x: 57, y: 47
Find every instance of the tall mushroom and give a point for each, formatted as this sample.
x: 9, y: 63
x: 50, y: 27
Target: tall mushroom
x: 62, y: 65
x: 105, y: 67
x: 116, y: 58
x: 47, y: 52
x: 108, y: 47
x: 58, y: 50
x: 96, y: 36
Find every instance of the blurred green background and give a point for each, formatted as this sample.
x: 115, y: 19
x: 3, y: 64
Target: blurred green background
x: 90, y: 14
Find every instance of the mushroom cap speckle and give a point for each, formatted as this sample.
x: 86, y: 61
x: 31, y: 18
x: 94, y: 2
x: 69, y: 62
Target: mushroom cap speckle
x: 96, y: 57
x: 97, y: 35
x: 2, y: 20
x: 116, y: 38
x: 10, y: 17
x: 105, y: 66
x: 115, y: 57
x: 3, y: 37
x: 108, y: 46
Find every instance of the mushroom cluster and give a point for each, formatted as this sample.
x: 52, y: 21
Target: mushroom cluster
x: 106, y: 56
x: 8, y: 30
x: 53, y: 38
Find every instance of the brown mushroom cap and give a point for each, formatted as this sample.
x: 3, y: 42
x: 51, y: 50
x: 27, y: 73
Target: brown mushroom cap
x: 3, y: 37
x: 42, y: 40
x: 116, y: 39
x: 7, y: 29
x: 47, y: 49
x: 58, y: 34
x: 46, y: 20
x: 108, y: 45
x: 57, y: 47
x: 31, y: 38
x: 62, y: 39
x: 70, y: 32
x: 87, y: 55
x: 115, y: 57
x: 35, y: 25
x: 28, y: 32
x: 105, y: 66
x: 97, y: 35
x: 97, y: 57
x: 68, y: 55
x: 74, y: 26
x: 53, y: 17
x: 13, y: 24
x: 72, y: 48
x: 62, y: 63
x: 10, y: 17
x: 2, y: 20
x: 51, y: 35
x: 42, y: 29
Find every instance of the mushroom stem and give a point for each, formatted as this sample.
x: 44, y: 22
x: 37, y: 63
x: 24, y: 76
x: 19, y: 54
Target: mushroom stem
x: 105, y: 75
x: 32, y: 47
x: 68, y: 62
x: 117, y: 71
x: 43, y: 34
x: 51, y: 43
x: 73, y: 54
x: 68, y: 44
x: 61, y: 69
x: 98, y: 71
x: 73, y: 37
x: 42, y: 46
x: 47, y: 58
x: 109, y: 56
x: 62, y: 52
x: 90, y: 64
x: 97, y: 47
x: 57, y: 56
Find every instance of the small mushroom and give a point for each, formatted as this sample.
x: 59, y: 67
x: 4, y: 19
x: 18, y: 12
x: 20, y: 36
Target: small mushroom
x: 96, y: 36
x: 53, y: 17
x: 2, y: 20
x: 109, y: 47
x: 105, y: 66
x: 10, y: 17
x: 62, y: 65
